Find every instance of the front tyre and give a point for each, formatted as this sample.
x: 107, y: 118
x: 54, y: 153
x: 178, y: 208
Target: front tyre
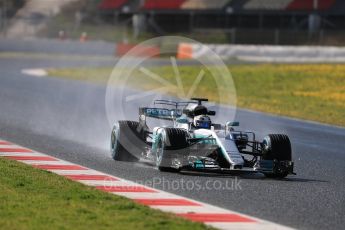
x: 172, y: 144
x: 127, y: 141
x: 277, y: 148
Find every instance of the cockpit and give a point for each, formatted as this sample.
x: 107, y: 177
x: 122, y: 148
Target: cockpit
x: 202, y: 122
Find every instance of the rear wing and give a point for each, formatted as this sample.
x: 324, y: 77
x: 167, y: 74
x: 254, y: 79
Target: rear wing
x: 160, y: 113
x: 165, y: 113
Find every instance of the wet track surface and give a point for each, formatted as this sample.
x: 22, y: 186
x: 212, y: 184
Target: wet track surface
x: 67, y: 119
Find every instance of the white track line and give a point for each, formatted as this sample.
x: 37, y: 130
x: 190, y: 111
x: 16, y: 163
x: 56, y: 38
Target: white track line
x: 35, y: 72
x: 76, y: 172
x: 154, y: 198
x: 189, y: 209
x: 146, y: 195
x: 10, y: 146
x: 5, y: 154
x: 107, y: 183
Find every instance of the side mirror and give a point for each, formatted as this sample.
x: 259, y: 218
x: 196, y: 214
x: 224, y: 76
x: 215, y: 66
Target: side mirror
x: 217, y: 126
x: 211, y: 113
x: 187, y: 112
x: 232, y: 123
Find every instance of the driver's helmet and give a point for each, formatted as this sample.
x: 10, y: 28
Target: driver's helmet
x: 202, y: 122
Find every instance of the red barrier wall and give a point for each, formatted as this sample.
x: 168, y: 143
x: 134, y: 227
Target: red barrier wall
x: 139, y: 51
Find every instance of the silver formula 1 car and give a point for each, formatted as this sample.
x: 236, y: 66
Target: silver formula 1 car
x: 194, y: 142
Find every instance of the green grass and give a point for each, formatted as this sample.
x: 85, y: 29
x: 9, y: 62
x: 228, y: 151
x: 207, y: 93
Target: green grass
x: 314, y: 92
x: 308, y: 91
x: 34, y: 199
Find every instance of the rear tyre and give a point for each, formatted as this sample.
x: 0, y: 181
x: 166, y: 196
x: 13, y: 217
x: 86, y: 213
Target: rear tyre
x: 172, y: 144
x: 127, y: 141
x: 277, y: 147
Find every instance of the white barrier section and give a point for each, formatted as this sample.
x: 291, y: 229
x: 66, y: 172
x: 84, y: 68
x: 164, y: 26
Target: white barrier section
x: 270, y: 53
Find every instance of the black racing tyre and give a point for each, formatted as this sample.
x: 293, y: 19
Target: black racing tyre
x: 127, y: 141
x: 171, y: 143
x: 277, y: 147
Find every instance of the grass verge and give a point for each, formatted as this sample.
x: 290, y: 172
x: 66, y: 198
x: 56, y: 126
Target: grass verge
x: 308, y: 91
x: 36, y: 199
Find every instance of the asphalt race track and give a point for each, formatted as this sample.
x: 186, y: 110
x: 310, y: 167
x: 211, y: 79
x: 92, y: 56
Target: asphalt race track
x: 67, y: 119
